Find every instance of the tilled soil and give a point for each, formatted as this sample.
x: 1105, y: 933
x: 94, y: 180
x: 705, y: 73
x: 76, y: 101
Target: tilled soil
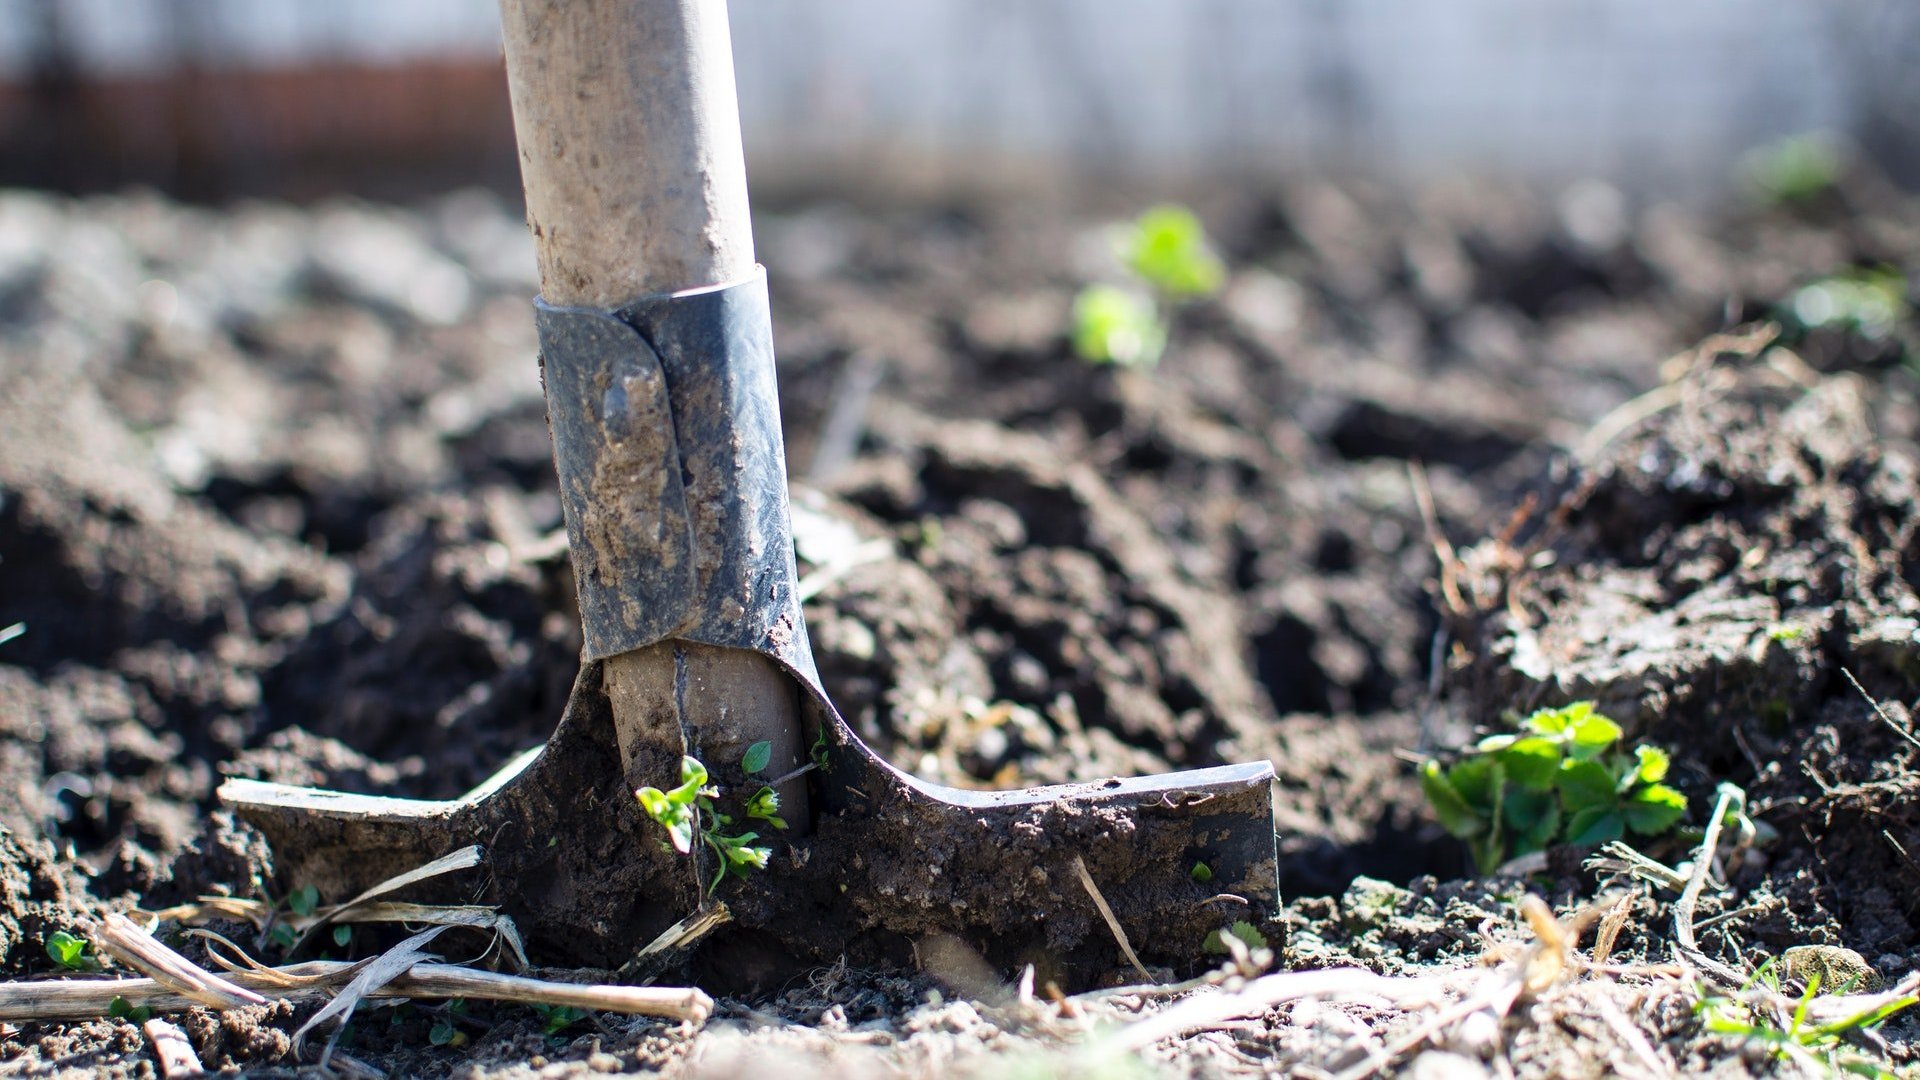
x: 277, y: 502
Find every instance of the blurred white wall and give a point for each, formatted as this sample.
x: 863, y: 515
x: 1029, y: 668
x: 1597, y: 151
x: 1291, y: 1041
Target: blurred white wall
x: 1652, y: 94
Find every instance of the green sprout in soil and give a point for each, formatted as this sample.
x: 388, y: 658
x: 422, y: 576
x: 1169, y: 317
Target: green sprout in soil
x: 1820, y: 1048
x: 1167, y: 260
x: 555, y: 1019
x: 1560, y: 779
x: 122, y: 1009
x: 444, y: 1031
x: 71, y: 953
x: 688, y: 811
x: 1248, y: 934
x: 1794, y: 170
x: 1868, y: 301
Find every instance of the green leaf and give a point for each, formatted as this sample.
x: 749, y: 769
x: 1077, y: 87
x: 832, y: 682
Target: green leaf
x: 342, y: 935
x: 693, y: 777
x: 757, y: 757
x: 1532, y: 762
x: 675, y: 817
x: 1248, y: 933
x: 1557, y: 721
x: 303, y: 900
x: 558, y: 1018
x: 1652, y: 764
x: 1654, y: 809
x: 122, y: 1009
x: 1112, y: 325
x: 1532, y: 817
x: 1584, y: 785
x: 69, y: 952
x: 656, y: 803
x: 1168, y: 248
x: 1592, y: 735
x: 1201, y: 873
x: 1453, y: 811
x: 443, y: 1032
x: 1478, y: 780
x: 1595, y: 825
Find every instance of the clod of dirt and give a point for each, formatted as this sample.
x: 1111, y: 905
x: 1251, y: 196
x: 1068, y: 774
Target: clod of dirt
x: 38, y: 895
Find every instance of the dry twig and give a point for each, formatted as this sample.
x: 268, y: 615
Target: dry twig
x: 1113, y: 922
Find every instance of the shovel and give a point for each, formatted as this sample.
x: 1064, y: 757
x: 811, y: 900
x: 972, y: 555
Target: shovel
x: 656, y: 355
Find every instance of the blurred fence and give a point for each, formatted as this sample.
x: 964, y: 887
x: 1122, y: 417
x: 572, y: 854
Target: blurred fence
x: 292, y: 95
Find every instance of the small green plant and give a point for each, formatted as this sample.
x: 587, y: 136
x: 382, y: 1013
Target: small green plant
x: 1248, y: 934
x: 555, y: 1019
x: 688, y: 811
x: 1869, y: 301
x: 1201, y: 873
x: 444, y: 1031
x: 1822, y: 1048
x: 1559, y: 779
x: 71, y: 953
x: 122, y: 1009
x: 303, y: 900
x: 1167, y: 260
x: 1794, y: 170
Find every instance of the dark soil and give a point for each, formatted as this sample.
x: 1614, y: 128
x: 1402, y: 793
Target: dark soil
x: 277, y: 502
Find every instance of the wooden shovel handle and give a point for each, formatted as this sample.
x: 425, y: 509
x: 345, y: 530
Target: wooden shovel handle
x: 629, y: 135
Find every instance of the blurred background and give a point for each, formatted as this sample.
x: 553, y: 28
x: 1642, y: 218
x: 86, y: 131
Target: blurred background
x: 210, y: 99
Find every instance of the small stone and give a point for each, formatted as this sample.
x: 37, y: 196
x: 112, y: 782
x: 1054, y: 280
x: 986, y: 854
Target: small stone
x: 1839, y: 969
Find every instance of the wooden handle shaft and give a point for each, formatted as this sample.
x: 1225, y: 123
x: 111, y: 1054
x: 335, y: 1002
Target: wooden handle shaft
x: 629, y: 134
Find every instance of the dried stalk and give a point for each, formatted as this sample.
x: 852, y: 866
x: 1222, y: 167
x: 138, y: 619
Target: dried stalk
x: 126, y: 942
x: 173, y: 1051
x: 1113, y: 921
x: 86, y: 999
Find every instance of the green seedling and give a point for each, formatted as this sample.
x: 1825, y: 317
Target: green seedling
x: 122, y: 1009
x: 1248, y: 934
x: 71, y: 953
x: 444, y: 1031
x: 1869, y: 301
x: 1167, y: 247
x: 1167, y: 259
x: 1115, y: 325
x: 688, y: 812
x: 818, y: 752
x: 303, y: 900
x: 1794, y: 170
x: 1201, y: 873
x: 1820, y: 1048
x: 1558, y: 780
x: 555, y: 1019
